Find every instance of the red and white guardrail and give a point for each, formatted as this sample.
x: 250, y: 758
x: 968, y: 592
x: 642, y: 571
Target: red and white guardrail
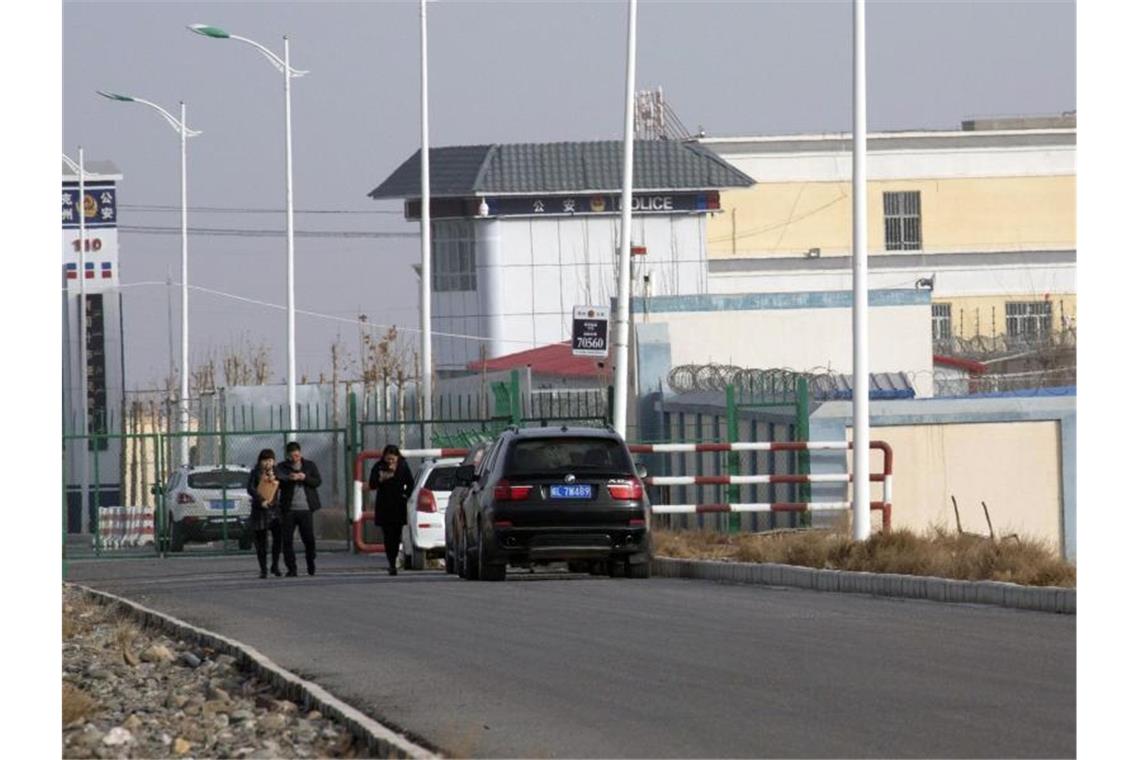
x: 885, y: 477
x: 126, y: 526
x: 360, y: 484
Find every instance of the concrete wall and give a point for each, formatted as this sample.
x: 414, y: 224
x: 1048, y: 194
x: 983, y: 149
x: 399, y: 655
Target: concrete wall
x: 801, y: 331
x: 1016, y: 454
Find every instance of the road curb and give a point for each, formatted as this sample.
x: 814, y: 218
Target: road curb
x: 1040, y: 598
x: 380, y: 740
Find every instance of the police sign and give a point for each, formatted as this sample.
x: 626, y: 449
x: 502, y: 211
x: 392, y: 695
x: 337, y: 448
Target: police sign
x: 590, y: 334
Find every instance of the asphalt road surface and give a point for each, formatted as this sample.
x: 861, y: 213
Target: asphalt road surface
x: 560, y: 665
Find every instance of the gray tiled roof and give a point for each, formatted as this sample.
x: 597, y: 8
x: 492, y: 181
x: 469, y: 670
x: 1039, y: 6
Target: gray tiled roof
x: 563, y: 167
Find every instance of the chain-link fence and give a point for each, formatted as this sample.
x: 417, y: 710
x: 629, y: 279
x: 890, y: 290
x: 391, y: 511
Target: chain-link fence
x: 169, y: 493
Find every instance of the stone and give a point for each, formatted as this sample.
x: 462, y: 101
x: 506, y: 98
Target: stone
x: 117, y: 737
x: 287, y: 707
x: 215, y: 707
x: 274, y: 722
x: 181, y: 746
x: 190, y: 660
x: 97, y: 673
x: 225, y: 661
x: 157, y: 653
x: 313, y: 714
x: 221, y: 721
x: 177, y: 700
x: 132, y: 723
x: 217, y: 693
x: 242, y: 714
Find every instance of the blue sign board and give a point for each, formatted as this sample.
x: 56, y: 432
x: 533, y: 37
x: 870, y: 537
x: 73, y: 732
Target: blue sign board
x: 101, y: 209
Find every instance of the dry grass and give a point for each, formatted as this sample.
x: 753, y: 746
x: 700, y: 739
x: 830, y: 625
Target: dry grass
x: 76, y: 704
x: 937, y: 552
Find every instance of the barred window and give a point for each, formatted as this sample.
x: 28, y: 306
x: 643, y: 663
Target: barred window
x: 940, y: 327
x: 902, y: 214
x: 1028, y: 320
x: 452, y: 255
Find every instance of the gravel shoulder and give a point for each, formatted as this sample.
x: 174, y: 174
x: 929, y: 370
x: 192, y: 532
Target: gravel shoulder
x: 131, y: 692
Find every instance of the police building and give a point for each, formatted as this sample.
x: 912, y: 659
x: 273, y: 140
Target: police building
x: 90, y: 269
x: 521, y: 234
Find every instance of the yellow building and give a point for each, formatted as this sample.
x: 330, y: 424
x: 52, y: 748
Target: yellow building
x: 984, y: 216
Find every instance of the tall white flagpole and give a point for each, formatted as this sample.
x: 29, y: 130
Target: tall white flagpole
x: 621, y: 319
x: 861, y: 429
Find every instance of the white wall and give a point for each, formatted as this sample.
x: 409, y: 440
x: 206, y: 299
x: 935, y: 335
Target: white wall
x: 803, y: 339
x: 532, y: 271
x: 1016, y: 276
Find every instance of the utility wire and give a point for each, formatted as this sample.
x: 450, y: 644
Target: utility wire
x: 230, y: 232
x: 151, y: 207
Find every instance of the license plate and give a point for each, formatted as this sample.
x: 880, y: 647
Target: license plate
x: 223, y: 504
x: 577, y: 491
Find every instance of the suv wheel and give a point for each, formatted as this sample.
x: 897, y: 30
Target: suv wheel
x: 177, y: 535
x: 487, y: 571
x: 468, y: 569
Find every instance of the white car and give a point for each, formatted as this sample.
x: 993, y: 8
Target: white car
x: 204, y: 503
x: 424, y: 534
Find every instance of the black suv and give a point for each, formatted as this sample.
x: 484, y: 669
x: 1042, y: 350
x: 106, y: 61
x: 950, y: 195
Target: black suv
x: 545, y: 495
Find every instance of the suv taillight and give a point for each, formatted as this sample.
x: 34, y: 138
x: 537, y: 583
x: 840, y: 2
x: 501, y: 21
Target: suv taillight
x: 625, y: 490
x: 185, y: 498
x: 425, y: 502
x: 505, y: 491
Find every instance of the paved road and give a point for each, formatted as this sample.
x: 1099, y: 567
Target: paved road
x: 562, y: 665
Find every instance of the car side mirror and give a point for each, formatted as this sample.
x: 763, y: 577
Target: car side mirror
x: 465, y: 475
x: 642, y: 472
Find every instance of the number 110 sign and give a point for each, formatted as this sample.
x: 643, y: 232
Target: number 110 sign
x: 590, y: 334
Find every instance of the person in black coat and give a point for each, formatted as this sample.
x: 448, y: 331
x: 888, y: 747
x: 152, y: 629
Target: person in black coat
x: 298, y: 500
x: 392, y: 480
x: 264, y: 516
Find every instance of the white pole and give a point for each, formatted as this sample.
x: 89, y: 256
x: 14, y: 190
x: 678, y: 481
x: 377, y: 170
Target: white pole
x: 85, y: 471
x: 425, y: 234
x: 184, y: 402
x: 621, y: 320
x: 861, y: 487
x: 291, y: 337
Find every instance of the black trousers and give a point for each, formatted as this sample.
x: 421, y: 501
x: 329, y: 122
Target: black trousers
x: 260, y: 539
x: 302, y: 519
x: 392, y: 534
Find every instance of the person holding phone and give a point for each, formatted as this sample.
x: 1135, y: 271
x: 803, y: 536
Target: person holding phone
x: 264, y: 515
x: 392, y: 480
x: 299, y: 499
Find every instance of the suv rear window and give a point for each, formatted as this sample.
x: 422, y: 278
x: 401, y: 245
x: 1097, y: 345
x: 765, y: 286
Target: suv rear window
x: 441, y: 479
x: 561, y: 454
x: 217, y: 479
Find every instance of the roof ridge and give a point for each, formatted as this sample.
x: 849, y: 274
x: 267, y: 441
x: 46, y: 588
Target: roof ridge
x: 492, y: 150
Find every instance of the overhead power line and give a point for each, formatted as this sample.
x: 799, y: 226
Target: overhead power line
x: 223, y: 231
x: 151, y: 207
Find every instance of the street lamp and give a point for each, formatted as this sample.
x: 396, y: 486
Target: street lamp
x: 283, y: 66
x: 184, y: 132
x: 85, y: 474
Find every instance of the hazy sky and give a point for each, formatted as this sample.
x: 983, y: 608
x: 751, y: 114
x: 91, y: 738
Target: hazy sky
x: 499, y: 72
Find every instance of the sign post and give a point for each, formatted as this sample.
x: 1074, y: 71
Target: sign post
x: 590, y: 333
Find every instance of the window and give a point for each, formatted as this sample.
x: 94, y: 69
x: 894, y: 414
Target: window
x: 940, y: 327
x: 452, y: 256
x: 441, y: 479
x: 902, y: 214
x: 557, y: 454
x: 1028, y: 321
x: 218, y: 479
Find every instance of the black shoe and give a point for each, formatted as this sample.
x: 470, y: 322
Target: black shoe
x: 291, y: 574
x: 263, y: 574
x: 275, y: 571
x: 391, y: 571
x: 312, y: 571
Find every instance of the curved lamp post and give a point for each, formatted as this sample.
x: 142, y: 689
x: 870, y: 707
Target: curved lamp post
x: 179, y: 126
x: 282, y: 65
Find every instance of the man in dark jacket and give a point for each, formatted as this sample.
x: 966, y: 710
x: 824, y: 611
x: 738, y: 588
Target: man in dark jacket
x: 298, y: 500
x: 392, y: 480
